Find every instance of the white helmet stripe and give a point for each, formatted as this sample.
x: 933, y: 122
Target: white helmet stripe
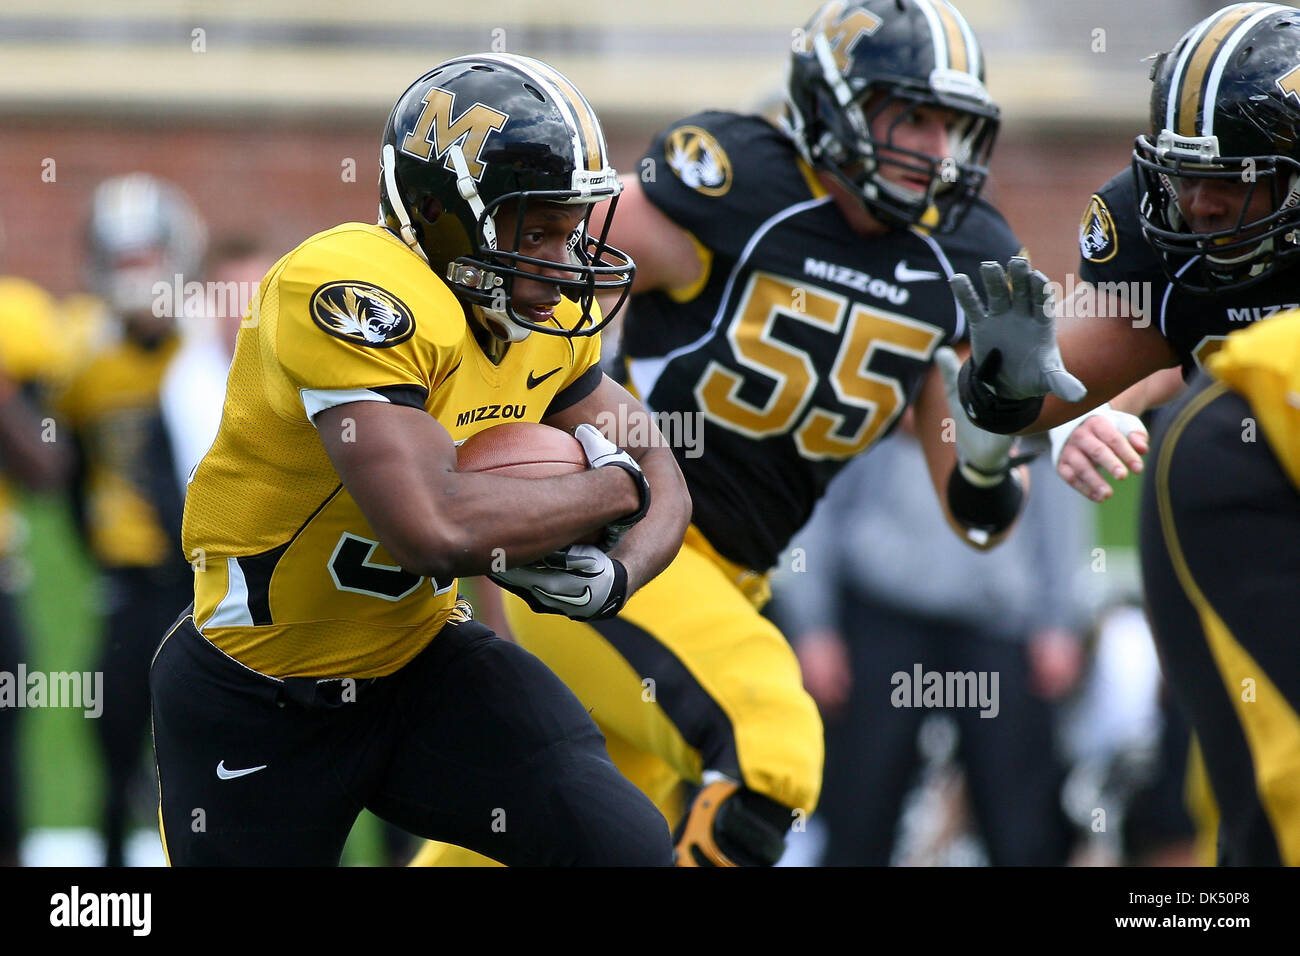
x: 1180, y: 67
x: 972, y: 45
x: 937, y: 34
x: 1223, y: 58
x: 528, y: 67
x: 588, y: 124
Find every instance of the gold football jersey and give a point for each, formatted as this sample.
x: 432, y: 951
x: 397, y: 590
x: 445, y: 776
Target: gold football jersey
x: 1262, y: 363
x: 33, y: 350
x: 111, y: 403
x: 289, y: 578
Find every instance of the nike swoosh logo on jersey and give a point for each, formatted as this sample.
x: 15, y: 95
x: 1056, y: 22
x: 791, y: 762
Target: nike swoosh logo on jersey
x: 533, y: 381
x: 903, y: 274
x: 225, y: 774
x: 576, y: 602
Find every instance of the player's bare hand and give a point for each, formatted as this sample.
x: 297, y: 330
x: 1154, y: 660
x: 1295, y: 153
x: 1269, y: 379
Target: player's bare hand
x: 1106, y: 444
x: 1055, y: 663
x: 824, y: 660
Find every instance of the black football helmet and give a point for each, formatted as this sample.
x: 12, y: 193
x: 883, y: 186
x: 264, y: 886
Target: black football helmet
x: 1225, y: 106
x: 477, y: 134
x: 920, y: 52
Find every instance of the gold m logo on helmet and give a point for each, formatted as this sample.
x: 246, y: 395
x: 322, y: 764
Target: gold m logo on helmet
x: 843, y: 32
x: 436, y: 132
x: 1289, y: 83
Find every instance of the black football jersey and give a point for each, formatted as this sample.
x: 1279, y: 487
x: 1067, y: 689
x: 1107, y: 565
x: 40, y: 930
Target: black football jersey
x: 1113, y: 249
x: 802, y: 344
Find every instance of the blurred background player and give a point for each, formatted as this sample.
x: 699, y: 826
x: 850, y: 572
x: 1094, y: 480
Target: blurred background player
x: 32, y: 358
x: 193, y: 388
x: 144, y: 236
x: 886, y: 588
x: 789, y: 297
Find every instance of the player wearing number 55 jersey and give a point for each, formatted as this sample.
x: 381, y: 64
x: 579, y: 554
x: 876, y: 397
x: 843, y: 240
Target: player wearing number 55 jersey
x: 791, y: 295
x: 326, y: 664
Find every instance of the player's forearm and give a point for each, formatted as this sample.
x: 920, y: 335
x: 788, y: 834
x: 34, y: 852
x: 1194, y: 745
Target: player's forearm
x: 476, y: 523
x: 1152, y: 392
x: 655, y: 540
x: 1110, y: 358
x: 27, y: 457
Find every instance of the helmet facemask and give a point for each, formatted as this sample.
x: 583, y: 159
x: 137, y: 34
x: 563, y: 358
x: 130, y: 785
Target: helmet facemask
x: 834, y: 131
x: 486, y: 277
x: 1240, y: 255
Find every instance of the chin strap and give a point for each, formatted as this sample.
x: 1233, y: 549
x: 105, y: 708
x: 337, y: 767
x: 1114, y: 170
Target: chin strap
x: 468, y: 190
x: 395, y: 201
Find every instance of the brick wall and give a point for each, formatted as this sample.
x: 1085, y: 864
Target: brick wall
x: 284, y: 179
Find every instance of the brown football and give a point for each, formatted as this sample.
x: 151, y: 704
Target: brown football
x: 521, y: 450
x: 524, y: 450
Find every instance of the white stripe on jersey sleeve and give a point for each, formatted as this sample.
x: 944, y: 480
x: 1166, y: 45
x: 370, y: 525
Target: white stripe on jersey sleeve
x: 316, y: 400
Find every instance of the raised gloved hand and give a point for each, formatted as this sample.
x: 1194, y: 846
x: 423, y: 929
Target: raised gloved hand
x: 603, y: 453
x: 1014, y: 358
x: 580, y: 581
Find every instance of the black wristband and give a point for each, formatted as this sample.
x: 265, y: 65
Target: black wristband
x: 985, y: 409
x: 617, y: 593
x: 642, y: 489
x: 991, y: 509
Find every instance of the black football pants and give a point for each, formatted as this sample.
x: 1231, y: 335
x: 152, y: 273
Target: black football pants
x: 141, y: 603
x: 474, y: 742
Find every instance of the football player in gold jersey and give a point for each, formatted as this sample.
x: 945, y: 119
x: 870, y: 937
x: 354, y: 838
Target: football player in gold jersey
x: 326, y: 664
x: 31, y: 357
x: 143, y: 231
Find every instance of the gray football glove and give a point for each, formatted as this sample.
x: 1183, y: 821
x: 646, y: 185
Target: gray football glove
x: 989, y: 455
x: 602, y: 453
x: 580, y: 581
x: 1014, y: 357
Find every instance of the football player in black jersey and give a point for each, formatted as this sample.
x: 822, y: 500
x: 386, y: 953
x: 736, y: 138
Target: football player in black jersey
x: 790, y: 300
x: 1202, y: 226
x: 1205, y: 226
